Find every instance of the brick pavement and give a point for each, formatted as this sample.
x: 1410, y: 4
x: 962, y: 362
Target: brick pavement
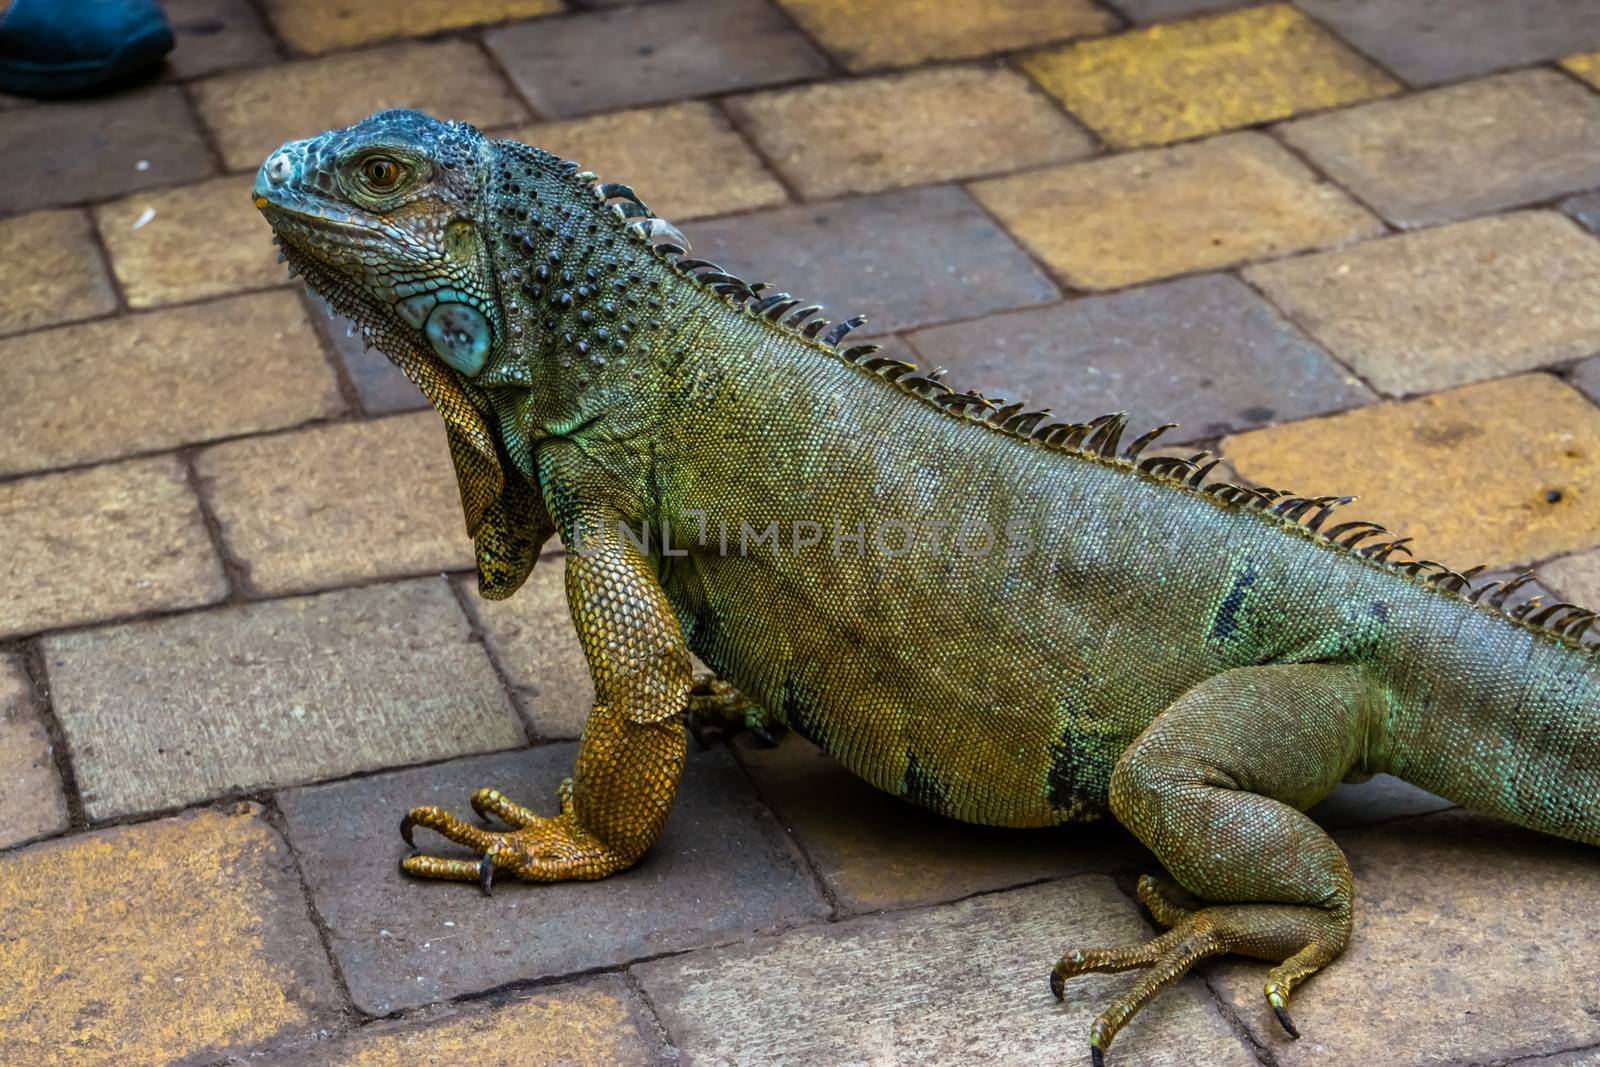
x: 1351, y: 239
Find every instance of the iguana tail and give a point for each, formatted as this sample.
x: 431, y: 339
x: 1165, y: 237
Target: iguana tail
x: 1503, y: 720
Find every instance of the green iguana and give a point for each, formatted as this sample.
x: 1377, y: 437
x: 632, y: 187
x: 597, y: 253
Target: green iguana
x: 1007, y: 619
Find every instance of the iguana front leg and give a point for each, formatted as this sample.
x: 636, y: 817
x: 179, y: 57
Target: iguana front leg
x: 632, y: 750
x: 1215, y: 787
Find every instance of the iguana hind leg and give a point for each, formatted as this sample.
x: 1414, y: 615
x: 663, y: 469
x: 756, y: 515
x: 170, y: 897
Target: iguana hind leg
x: 717, y: 711
x: 1215, y: 787
x: 632, y: 751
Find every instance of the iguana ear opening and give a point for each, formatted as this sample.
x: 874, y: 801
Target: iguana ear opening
x: 506, y: 520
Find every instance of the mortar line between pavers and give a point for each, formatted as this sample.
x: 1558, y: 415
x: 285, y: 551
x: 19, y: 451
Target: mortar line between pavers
x: 345, y: 419
x: 257, y: 794
x: 664, y: 1036
x: 103, y: 250
x: 38, y: 677
x: 1099, y: 146
x: 1057, y: 278
x: 1294, y: 323
x: 235, y: 571
x: 1404, y: 83
x: 273, y: 815
x: 125, y: 310
x: 835, y: 66
x: 1241, y: 1030
x: 719, y: 105
x: 481, y: 637
x: 1306, y: 160
x: 1531, y: 1058
x: 280, y: 47
x: 836, y: 911
x: 1555, y: 65
x: 208, y: 137
x: 480, y: 41
x: 347, y: 386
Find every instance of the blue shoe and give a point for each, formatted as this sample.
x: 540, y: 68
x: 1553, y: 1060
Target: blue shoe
x: 60, y: 47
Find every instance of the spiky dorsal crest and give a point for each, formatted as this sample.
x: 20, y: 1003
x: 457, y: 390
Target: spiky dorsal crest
x: 1099, y: 439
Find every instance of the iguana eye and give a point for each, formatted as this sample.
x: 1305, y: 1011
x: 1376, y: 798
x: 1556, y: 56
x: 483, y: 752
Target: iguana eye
x: 381, y: 172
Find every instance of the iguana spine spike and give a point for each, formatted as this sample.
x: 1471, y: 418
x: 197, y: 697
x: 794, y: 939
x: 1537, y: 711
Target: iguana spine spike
x: 1544, y: 617
x: 1523, y: 610
x: 1316, y: 521
x: 776, y: 311
x: 1142, y: 442
x: 766, y: 303
x: 1199, y: 476
x: 837, y: 334
x: 858, y: 352
x: 1499, y: 599
x: 801, y: 315
x: 814, y: 327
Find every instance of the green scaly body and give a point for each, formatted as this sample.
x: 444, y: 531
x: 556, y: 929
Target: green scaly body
x: 1006, y: 619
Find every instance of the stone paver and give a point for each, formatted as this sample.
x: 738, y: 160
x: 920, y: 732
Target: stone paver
x: 1158, y: 10
x: 960, y: 984
x: 71, y: 152
x: 872, y: 134
x: 185, y: 939
x: 1380, y: 799
x: 381, y: 387
x: 1575, y: 578
x: 87, y: 392
x: 95, y: 544
x: 188, y: 243
x: 1585, y: 208
x: 594, y: 1023
x: 290, y: 691
x: 1585, y: 66
x: 1454, y: 953
x: 1190, y: 78
x: 1431, y: 41
x: 646, y: 55
x: 54, y: 272
x: 215, y: 35
x: 903, y: 258
x: 532, y: 638
x: 721, y: 870
x: 31, y: 801
x: 1144, y: 215
x: 1467, y: 472
x: 250, y: 114
x: 338, y: 504
x: 1205, y: 352
x: 684, y: 160
x: 866, y: 34
x: 318, y: 26
x: 877, y: 852
x: 1450, y: 305
x: 1461, y: 150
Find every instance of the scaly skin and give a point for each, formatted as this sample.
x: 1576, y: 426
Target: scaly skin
x: 1201, y: 661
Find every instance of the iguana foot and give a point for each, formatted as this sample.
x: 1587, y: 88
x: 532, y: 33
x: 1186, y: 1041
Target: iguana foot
x: 717, y: 711
x: 536, y: 849
x: 1302, y: 938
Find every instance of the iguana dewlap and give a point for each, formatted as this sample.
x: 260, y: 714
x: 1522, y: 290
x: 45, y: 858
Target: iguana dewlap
x: 1001, y: 617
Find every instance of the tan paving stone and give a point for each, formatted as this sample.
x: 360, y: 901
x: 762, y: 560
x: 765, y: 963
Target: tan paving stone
x: 1466, y: 472
x: 179, y: 940
x: 1585, y: 66
x: 94, y: 544
x: 1464, y: 928
x: 318, y: 26
x: 273, y: 694
x: 1456, y: 304
x: 142, y: 382
x: 339, y: 504
x: 54, y: 272
x: 1186, y: 79
x: 1462, y: 150
x: 31, y: 801
x: 183, y: 244
x: 1145, y: 215
x: 875, y: 851
x: 250, y: 114
x: 864, y: 34
x: 684, y: 160
x: 595, y: 1023
x: 531, y: 637
x: 957, y: 984
x: 215, y: 35
x: 871, y: 134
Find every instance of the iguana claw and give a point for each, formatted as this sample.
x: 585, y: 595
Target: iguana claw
x: 537, y: 848
x: 486, y: 874
x: 1096, y: 1057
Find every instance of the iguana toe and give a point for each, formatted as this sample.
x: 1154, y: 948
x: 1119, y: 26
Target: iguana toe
x: 536, y: 849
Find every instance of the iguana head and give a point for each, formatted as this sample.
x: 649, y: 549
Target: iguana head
x: 386, y: 219
x: 383, y: 219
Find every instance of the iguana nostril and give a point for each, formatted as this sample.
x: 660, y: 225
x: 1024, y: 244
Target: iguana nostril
x: 278, y: 170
